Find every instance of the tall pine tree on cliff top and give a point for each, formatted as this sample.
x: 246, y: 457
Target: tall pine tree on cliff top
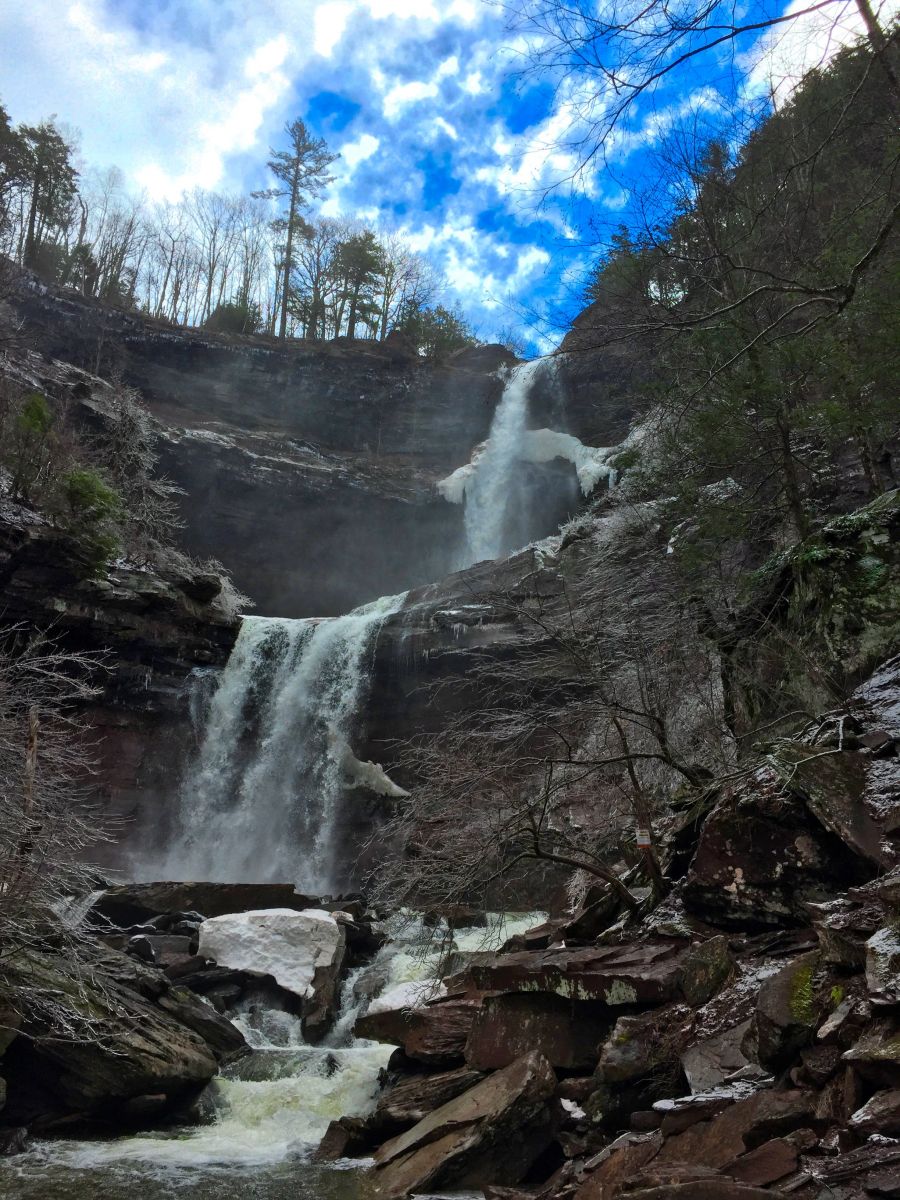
x: 302, y: 172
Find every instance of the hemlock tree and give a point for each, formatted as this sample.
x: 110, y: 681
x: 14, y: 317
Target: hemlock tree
x: 302, y: 172
x: 50, y: 179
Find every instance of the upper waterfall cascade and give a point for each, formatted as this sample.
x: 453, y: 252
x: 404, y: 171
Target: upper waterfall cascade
x: 263, y: 799
x: 485, y: 484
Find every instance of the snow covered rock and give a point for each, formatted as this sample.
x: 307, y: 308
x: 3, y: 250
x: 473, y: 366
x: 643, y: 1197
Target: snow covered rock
x: 302, y: 951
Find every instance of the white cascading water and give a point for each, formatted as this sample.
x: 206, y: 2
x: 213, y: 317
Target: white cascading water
x: 262, y: 801
x: 272, y: 1108
x: 486, y: 482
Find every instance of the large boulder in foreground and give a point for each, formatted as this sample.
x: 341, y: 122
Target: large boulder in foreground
x: 492, y: 1133
x: 99, y: 1034
x: 302, y: 951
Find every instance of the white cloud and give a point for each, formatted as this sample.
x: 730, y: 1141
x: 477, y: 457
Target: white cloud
x: 329, y: 24
x: 401, y: 95
x: 353, y: 153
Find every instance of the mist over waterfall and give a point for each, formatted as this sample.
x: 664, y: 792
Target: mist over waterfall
x: 264, y: 796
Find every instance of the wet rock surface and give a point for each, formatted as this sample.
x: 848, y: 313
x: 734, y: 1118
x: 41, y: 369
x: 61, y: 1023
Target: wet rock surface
x: 740, y: 1040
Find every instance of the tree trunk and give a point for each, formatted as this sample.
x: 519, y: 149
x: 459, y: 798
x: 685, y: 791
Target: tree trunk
x: 289, y: 253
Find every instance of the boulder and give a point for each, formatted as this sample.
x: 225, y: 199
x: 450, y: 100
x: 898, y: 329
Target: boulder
x: 133, y: 903
x: 623, y: 1158
x: 702, y: 1189
x: 842, y: 927
x: 768, y: 1163
x: 567, y: 1033
x: 880, y: 1114
x: 492, y: 1133
x: 435, y: 1034
x: 643, y: 1044
x: 883, y: 966
x: 705, y: 968
x: 834, y: 786
x: 870, y: 1170
x: 787, y: 1012
x: 302, y: 951
x: 644, y: 973
x: 728, y: 1134
x: 97, y: 1034
x: 414, y: 1097
x: 876, y: 1055
x: 759, y: 857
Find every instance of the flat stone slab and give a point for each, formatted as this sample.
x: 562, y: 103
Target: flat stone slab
x: 646, y: 973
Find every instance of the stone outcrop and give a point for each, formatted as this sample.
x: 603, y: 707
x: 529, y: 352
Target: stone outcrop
x: 703, y: 1050
x: 302, y: 951
x: 149, y: 634
x: 494, y: 1131
x: 309, y: 467
x: 100, y: 1033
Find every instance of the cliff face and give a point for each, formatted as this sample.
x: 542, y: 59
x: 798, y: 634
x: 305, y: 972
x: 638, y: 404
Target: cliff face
x: 309, y: 470
x: 150, y: 631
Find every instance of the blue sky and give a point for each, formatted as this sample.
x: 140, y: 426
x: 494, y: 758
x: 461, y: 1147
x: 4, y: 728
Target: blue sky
x: 441, y: 134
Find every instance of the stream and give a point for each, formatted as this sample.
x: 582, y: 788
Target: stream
x: 268, y: 1111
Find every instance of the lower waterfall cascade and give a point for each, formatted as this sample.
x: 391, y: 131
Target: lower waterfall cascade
x: 263, y: 798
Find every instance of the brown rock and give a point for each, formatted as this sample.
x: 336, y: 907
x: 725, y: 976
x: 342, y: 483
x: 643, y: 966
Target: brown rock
x: 132, y: 903
x: 883, y: 966
x: 880, y: 1114
x: 643, y: 973
x: 719, y: 1141
x: 876, y: 1056
x: 834, y: 788
x: 681, y: 1114
x: 732, y: 881
x: 567, y: 1033
x: 414, y: 1097
x: 617, y: 1162
x: 820, y: 1063
x: 786, y: 1012
x: 857, y: 1172
x: 705, y: 968
x: 702, y: 1189
x: 766, y: 1164
x: 435, y: 1034
x: 641, y: 1044
x: 492, y: 1133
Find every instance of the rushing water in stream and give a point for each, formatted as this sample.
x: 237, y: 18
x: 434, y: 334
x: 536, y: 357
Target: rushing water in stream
x: 270, y: 1108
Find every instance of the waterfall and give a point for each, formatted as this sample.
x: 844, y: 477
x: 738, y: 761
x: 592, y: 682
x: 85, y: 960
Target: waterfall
x: 489, y: 486
x: 263, y: 800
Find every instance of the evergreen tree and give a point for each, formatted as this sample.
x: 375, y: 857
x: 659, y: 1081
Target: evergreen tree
x: 51, y: 181
x: 302, y: 174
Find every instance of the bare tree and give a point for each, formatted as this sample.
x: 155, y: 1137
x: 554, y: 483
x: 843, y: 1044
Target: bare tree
x: 46, y: 757
x: 562, y: 752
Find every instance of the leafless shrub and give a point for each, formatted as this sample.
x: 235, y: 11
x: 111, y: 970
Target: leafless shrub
x: 45, y: 758
x: 556, y: 749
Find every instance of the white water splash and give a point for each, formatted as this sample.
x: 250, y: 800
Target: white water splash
x: 485, y: 485
x: 485, y: 482
x: 263, y: 800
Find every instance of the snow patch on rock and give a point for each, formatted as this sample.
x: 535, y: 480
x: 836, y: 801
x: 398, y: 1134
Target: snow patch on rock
x: 290, y: 946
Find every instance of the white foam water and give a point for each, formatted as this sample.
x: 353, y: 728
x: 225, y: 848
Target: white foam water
x: 262, y: 801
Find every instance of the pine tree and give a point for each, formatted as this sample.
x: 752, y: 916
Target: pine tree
x: 302, y: 172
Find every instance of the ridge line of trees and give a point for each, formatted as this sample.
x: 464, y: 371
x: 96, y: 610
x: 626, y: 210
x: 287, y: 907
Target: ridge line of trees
x: 225, y: 262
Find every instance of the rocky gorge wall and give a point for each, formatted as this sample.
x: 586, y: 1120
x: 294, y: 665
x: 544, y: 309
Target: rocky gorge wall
x: 309, y: 469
